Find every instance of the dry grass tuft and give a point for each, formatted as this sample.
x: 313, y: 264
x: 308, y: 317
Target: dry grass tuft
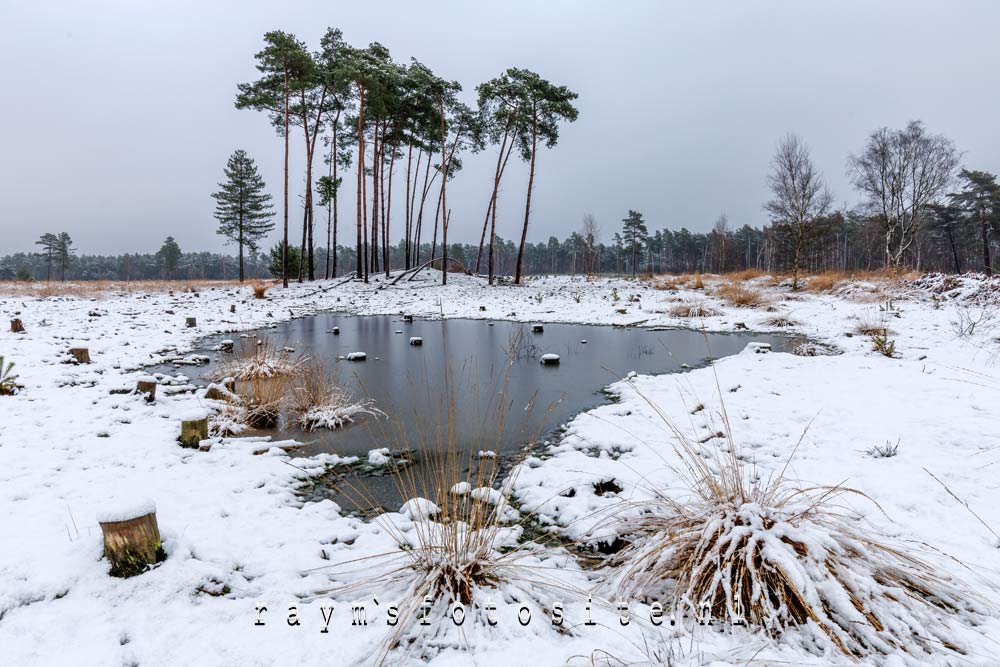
x: 781, y: 321
x: 668, y: 283
x: 870, y: 324
x: 260, y: 289
x: 321, y: 401
x: 740, y: 295
x: 693, y: 309
x: 273, y: 389
x: 777, y: 556
x: 459, y: 540
x: 744, y: 275
x: 257, y: 359
x: 823, y: 282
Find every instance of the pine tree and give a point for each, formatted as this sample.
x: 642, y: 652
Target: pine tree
x: 63, y: 253
x: 634, y: 234
x: 50, y: 249
x: 980, y: 201
x: 243, y: 209
x: 169, y: 256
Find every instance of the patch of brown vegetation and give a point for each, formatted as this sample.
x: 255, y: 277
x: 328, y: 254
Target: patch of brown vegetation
x: 740, y: 295
x: 92, y: 288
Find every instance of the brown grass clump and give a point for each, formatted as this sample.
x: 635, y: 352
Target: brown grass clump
x: 320, y: 401
x: 870, y: 324
x: 744, y: 275
x: 781, y: 321
x: 260, y: 289
x: 257, y: 359
x: 740, y: 295
x: 693, y: 309
x: 698, y: 282
x: 777, y: 557
x: 459, y: 538
x: 823, y: 282
x: 668, y: 283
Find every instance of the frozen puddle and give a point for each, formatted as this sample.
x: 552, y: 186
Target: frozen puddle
x: 504, y: 398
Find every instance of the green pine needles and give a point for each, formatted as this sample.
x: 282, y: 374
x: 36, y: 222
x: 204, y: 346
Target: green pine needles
x: 243, y: 208
x: 8, y: 381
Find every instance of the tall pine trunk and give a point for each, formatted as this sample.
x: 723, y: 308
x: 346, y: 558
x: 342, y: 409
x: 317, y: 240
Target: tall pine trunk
x: 444, y: 195
x: 527, y: 204
x: 336, y: 190
x: 408, y: 220
x: 359, y: 257
x: 284, y: 248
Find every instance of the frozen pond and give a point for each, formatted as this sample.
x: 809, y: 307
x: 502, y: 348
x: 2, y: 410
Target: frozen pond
x: 501, y: 396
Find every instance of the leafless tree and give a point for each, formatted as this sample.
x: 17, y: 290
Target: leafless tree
x: 720, y: 233
x: 800, y: 195
x: 590, y: 234
x: 901, y: 172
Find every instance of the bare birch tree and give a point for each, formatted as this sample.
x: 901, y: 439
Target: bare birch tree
x: 901, y: 172
x: 800, y: 195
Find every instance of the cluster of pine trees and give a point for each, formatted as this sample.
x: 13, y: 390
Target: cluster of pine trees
x: 392, y: 120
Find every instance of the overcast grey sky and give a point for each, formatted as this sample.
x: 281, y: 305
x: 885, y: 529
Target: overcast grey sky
x: 118, y: 115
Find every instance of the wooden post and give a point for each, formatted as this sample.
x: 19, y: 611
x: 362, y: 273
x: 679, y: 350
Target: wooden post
x: 192, y: 322
x: 16, y: 326
x: 147, y: 387
x: 132, y: 544
x: 81, y: 354
x: 193, y: 431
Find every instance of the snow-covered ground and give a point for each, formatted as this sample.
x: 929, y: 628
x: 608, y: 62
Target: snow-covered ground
x: 237, y: 538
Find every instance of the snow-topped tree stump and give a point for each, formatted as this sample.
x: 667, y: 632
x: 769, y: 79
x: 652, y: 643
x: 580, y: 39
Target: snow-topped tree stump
x: 80, y: 354
x: 194, y: 429
x: 147, y: 387
x: 16, y: 326
x: 131, y: 540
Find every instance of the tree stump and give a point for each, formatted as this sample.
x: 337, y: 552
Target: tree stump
x: 132, y: 544
x: 81, y: 354
x: 193, y: 431
x: 148, y: 388
x: 191, y: 322
x: 232, y: 308
x: 16, y: 326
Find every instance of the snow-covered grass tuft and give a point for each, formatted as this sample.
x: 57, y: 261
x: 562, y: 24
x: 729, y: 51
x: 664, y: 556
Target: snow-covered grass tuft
x: 459, y: 543
x: 780, y: 557
x: 693, y: 309
x: 258, y: 359
x: 320, y: 401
